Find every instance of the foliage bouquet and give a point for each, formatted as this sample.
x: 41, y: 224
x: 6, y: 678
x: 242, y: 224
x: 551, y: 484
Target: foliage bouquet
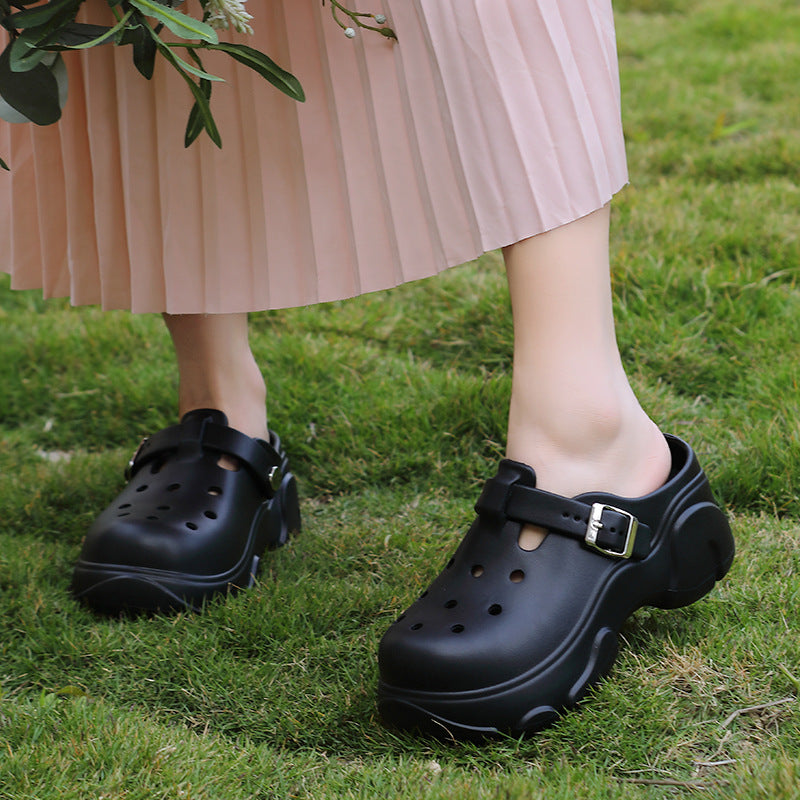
x: 33, y: 78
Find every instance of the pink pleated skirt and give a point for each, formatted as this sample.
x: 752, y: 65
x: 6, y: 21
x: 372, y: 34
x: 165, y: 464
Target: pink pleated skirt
x: 487, y: 122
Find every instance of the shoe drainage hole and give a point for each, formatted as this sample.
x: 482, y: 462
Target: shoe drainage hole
x: 214, y: 491
x: 210, y: 514
x: 173, y: 487
x: 141, y: 488
x: 517, y: 576
x: 578, y: 518
x: 416, y: 626
x: 124, y: 514
x: 495, y: 609
x: 162, y: 508
x: 152, y: 516
x: 457, y: 628
x: 191, y: 526
x: 125, y: 505
x: 451, y: 604
x: 229, y: 463
x: 156, y: 468
x: 477, y: 570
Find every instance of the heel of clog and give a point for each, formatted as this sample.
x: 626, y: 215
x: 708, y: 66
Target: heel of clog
x: 284, y: 513
x: 701, y: 553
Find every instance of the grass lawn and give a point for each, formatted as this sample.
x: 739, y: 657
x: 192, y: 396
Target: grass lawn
x: 393, y: 408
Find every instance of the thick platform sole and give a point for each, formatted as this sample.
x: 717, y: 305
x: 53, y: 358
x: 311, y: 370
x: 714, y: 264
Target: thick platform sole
x: 117, y: 588
x: 699, y: 549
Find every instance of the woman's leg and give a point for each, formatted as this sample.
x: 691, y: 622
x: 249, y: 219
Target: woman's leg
x: 573, y: 415
x: 204, y: 499
x: 217, y: 369
x: 511, y: 633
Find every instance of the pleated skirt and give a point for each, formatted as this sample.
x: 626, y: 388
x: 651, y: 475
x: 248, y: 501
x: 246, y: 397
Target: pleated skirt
x: 487, y: 122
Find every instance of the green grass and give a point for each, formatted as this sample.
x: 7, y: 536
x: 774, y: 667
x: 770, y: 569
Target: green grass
x: 393, y: 407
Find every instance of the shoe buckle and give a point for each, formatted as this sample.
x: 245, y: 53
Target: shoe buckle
x: 132, y: 462
x: 274, y: 478
x: 596, y: 524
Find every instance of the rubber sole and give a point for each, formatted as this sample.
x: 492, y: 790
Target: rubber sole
x: 117, y: 588
x: 697, y: 552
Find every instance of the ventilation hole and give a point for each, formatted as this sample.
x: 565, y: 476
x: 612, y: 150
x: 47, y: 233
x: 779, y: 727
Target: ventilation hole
x: 450, y: 563
x: 457, y: 628
x: 191, y: 526
x: 214, y: 491
x: 565, y: 514
x: 416, y: 626
x: 229, y: 462
x: 477, y: 570
x: 152, y: 516
x: 124, y: 514
x: 210, y: 514
x: 613, y: 530
x: 162, y: 508
x: 577, y: 518
x: 530, y: 538
x: 156, y: 468
x: 517, y: 576
x: 141, y: 488
x: 125, y: 505
x: 495, y: 609
x: 173, y: 487
x: 451, y: 604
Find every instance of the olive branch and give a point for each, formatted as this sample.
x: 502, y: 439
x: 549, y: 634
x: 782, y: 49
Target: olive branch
x: 33, y: 78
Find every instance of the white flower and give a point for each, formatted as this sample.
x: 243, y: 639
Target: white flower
x: 350, y: 33
x: 224, y: 14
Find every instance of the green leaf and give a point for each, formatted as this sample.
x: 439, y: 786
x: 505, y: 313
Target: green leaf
x: 34, y: 93
x: 193, y: 70
x: 195, y: 124
x: 41, y: 36
x: 264, y: 66
x: 80, y: 35
x: 144, y: 54
x: 180, y: 24
x: 4, y: 165
x: 204, y: 109
x: 24, y: 55
x: 71, y: 691
x: 41, y: 15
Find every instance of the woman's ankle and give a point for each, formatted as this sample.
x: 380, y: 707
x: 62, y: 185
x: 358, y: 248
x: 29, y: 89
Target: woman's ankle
x: 240, y: 396
x: 218, y: 370
x: 621, y: 453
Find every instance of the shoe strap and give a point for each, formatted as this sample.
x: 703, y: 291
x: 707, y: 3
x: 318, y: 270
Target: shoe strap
x: 604, y: 527
x: 264, y: 461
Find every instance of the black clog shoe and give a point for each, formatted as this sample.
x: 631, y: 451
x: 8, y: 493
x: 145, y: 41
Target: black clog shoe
x: 505, y: 639
x: 184, y: 528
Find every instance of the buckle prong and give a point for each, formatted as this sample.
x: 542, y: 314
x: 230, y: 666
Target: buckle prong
x: 595, y: 525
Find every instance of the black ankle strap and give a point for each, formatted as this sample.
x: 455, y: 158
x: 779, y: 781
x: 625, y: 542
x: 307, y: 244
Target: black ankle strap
x: 609, y: 530
x: 258, y: 456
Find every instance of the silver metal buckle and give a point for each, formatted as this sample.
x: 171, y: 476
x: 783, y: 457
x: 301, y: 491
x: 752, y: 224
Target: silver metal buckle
x: 596, y: 523
x: 129, y: 468
x: 274, y: 478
